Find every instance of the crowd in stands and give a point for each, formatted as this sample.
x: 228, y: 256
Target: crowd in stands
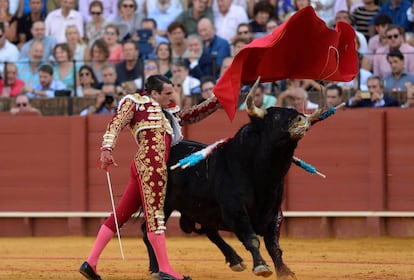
x: 98, y: 48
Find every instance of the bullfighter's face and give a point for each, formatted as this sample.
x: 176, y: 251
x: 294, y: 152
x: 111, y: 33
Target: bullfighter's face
x: 164, y: 97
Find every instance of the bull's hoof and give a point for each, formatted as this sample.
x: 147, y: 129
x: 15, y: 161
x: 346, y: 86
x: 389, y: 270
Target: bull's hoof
x: 284, y: 273
x: 262, y: 270
x: 154, y: 275
x: 239, y: 267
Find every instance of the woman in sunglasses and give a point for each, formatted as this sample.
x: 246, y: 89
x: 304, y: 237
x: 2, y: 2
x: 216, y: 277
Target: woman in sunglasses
x: 95, y: 28
x: 87, y: 82
x: 128, y: 21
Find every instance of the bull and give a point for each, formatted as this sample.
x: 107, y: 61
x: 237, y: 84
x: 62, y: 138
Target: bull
x: 239, y: 187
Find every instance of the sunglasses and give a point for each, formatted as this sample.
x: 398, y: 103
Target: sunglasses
x: 243, y: 32
x: 177, y: 85
x: 150, y: 67
x: 395, y: 36
x: 96, y: 13
x: 21, y: 104
x: 84, y: 74
x: 128, y: 6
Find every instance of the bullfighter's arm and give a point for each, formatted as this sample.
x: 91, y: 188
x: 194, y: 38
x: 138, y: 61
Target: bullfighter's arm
x: 121, y: 119
x: 198, y: 112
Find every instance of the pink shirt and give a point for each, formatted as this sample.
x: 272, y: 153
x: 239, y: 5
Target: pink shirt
x: 15, y: 88
x: 382, y: 67
x: 116, y: 55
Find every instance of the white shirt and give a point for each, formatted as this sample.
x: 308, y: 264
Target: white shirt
x: 226, y: 25
x: 9, y: 53
x: 189, y: 84
x: 56, y: 24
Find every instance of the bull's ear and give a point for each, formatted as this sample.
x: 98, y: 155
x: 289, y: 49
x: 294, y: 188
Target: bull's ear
x: 251, y: 108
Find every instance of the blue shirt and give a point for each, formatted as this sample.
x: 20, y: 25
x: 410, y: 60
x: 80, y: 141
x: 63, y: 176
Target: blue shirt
x: 50, y: 91
x: 24, y: 72
x: 391, y: 83
x: 398, y: 15
x: 49, y: 43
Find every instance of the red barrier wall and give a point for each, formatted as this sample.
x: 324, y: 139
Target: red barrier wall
x: 49, y: 164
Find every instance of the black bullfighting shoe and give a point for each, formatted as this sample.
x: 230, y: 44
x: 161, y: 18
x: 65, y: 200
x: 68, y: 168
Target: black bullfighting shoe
x: 165, y: 276
x: 87, y: 271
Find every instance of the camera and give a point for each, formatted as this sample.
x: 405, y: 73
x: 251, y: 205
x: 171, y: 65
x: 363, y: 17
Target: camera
x: 109, y: 99
x: 365, y: 95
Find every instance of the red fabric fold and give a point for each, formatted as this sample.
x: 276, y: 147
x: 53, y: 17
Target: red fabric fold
x: 303, y: 47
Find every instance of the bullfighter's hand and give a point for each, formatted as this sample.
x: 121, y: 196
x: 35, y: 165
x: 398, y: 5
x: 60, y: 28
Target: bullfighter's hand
x: 106, y: 159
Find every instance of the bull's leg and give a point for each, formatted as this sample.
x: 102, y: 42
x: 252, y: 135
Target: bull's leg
x: 232, y: 258
x: 271, y: 239
x: 240, y: 222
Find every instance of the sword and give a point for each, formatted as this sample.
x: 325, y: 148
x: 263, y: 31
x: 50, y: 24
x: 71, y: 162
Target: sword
x: 113, y: 209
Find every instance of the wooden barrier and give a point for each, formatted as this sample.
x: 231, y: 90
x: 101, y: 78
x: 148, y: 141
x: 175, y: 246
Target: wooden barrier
x: 48, y: 165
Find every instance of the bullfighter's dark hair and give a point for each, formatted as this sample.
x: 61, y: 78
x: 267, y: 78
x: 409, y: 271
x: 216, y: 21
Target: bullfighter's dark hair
x: 156, y: 82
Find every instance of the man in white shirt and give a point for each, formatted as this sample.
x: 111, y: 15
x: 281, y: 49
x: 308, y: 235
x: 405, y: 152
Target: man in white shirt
x: 227, y: 18
x: 57, y: 20
x: 8, y: 51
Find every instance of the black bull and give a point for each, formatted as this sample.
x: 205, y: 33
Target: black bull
x: 239, y: 187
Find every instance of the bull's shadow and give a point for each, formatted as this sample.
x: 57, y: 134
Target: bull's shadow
x: 239, y: 187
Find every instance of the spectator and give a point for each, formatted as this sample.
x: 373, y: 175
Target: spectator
x: 245, y: 30
x: 227, y: 61
x: 27, y: 8
x: 108, y: 7
x: 79, y: 49
x: 46, y: 86
x: 57, y: 20
x: 189, y: 84
x: 151, y: 68
x: 163, y: 14
x: 363, y: 15
x: 99, y: 56
x: 87, y: 82
x: 176, y: 35
x: 28, y: 67
x: 128, y: 21
x: 271, y: 25
x: 52, y: 5
x: 261, y: 99
x: 64, y: 69
x: 297, y: 5
x: 8, y: 51
x: 207, y: 86
x: 262, y: 12
x: 397, y: 10
x: 213, y: 46
x: 181, y: 101
x: 395, y: 37
x: 227, y: 18
x: 409, y: 103
x: 191, y: 17
x: 24, y: 24
x: 333, y: 95
x: 345, y: 16
x: 10, y: 86
x: 163, y: 54
x: 325, y: 10
x: 39, y: 34
x: 130, y: 69
x: 299, y: 96
x: 110, y: 83
x: 358, y: 83
x: 111, y: 39
x: 104, y: 104
x: 376, y: 96
x: 155, y: 39
x: 200, y: 64
x: 9, y: 21
x: 381, y: 23
x: 237, y: 44
x: 399, y: 77
x: 23, y: 107
x: 95, y: 28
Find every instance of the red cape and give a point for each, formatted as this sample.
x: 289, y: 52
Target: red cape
x: 303, y: 47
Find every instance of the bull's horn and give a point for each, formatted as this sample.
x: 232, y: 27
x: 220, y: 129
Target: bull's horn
x: 251, y: 109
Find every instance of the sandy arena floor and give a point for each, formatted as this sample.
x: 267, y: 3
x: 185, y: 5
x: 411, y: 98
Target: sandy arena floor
x: 60, y: 258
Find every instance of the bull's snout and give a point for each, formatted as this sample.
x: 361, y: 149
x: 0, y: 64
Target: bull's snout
x: 299, y: 125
